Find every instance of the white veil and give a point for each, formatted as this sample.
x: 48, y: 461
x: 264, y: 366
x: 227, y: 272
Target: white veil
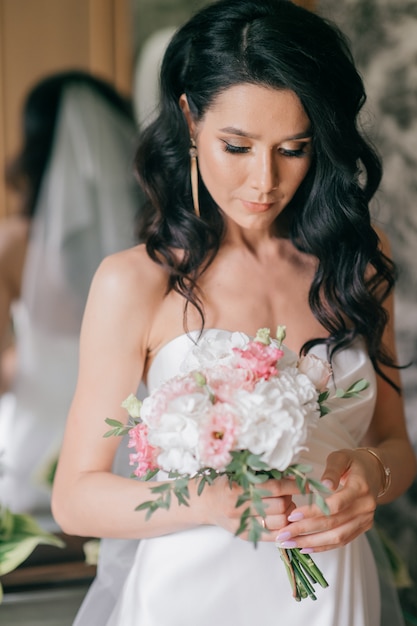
x: 86, y: 210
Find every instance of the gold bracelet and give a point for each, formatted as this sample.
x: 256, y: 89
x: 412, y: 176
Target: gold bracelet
x: 386, y: 472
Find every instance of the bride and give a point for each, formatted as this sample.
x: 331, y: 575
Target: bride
x: 258, y: 184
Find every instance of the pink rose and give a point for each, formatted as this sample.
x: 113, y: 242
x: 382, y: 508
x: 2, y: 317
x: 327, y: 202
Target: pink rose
x: 317, y: 370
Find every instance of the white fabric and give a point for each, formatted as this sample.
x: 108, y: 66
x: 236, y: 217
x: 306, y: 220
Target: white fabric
x: 208, y: 577
x: 86, y: 210
x: 146, y: 76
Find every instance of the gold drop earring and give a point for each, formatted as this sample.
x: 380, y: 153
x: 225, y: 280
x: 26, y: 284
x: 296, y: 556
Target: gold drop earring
x: 194, y: 177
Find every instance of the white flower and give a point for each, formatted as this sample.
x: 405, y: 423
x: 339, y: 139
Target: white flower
x: 179, y: 460
x: 318, y: 371
x: 176, y: 431
x: 277, y: 417
x: 132, y: 405
x: 214, y: 348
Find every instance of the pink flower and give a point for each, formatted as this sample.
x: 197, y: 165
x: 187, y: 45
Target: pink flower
x: 259, y: 358
x: 225, y: 381
x: 217, y: 437
x: 145, y: 455
x: 156, y: 404
x: 318, y: 371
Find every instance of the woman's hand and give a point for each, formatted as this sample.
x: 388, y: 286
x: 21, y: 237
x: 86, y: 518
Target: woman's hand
x: 219, y: 502
x: 354, y: 476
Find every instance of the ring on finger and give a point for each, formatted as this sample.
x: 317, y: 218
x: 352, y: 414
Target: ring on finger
x: 263, y: 522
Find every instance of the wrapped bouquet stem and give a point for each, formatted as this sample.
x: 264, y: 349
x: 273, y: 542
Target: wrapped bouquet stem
x: 241, y: 408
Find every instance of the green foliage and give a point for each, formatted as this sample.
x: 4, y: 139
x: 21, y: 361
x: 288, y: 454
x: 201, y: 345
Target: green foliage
x: 249, y: 472
x: 352, y: 392
x: 19, y: 536
x: 119, y: 429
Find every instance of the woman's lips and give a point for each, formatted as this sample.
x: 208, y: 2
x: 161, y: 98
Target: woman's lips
x: 257, y: 207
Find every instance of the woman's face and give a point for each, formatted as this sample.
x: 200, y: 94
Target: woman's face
x: 254, y: 149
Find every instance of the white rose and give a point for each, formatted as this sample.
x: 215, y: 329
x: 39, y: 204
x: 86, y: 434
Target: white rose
x: 318, y: 371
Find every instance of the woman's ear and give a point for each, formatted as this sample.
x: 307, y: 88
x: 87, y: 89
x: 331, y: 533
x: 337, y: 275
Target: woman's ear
x: 185, y: 108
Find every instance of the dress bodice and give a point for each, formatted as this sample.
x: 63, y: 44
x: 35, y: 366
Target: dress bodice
x: 206, y: 575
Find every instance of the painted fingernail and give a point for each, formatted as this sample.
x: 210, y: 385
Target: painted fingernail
x: 327, y: 483
x: 296, y: 516
x: 283, y: 536
x: 307, y: 550
x: 286, y: 544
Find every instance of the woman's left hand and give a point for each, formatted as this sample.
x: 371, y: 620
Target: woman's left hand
x: 355, y: 479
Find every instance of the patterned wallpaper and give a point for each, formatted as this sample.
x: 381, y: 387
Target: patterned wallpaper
x: 383, y: 34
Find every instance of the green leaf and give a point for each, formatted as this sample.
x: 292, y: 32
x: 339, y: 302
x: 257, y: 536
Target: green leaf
x: 242, y: 499
x: 322, y: 504
x: 150, y: 474
x: 317, y: 485
x: 243, y: 522
x: 161, y: 488
x: 145, y: 505
x: 112, y: 422
x: 299, y: 467
x: 323, y: 396
x: 20, y: 535
x: 119, y: 429
x: 259, y: 508
x: 359, y: 385
x: 301, y: 482
x: 254, y: 461
x: 354, y: 390
x: 274, y: 473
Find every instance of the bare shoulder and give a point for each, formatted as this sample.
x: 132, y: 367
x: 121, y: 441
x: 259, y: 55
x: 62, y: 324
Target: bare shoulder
x: 131, y: 269
x: 128, y: 284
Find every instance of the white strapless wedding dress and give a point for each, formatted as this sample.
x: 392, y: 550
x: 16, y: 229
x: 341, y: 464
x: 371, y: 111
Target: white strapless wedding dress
x: 208, y: 577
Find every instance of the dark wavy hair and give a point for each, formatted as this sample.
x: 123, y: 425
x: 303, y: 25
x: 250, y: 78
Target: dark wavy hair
x: 277, y: 44
x: 39, y: 115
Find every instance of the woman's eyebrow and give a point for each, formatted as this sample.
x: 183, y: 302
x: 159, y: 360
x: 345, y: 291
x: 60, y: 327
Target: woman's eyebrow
x: 241, y: 133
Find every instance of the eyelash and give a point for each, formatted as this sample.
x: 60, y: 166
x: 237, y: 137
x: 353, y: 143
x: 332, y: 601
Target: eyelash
x: 244, y: 150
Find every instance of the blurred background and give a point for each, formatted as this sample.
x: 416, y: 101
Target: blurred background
x: 121, y: 41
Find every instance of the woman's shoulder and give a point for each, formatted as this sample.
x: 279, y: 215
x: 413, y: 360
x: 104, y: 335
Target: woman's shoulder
x: 131, y: 273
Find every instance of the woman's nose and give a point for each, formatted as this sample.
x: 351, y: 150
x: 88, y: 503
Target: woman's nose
x: 265, y: 172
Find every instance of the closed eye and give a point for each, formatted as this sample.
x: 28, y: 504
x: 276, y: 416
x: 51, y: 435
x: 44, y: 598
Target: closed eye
x: 302, y: 151
x: 229, y: 147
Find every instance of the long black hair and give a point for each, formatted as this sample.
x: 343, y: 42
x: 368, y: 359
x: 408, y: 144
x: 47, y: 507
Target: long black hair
x: 277, y: 44
x: 39, y: 115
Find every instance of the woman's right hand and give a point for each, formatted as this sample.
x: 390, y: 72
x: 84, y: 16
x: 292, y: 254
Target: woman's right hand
x: 219, y: 505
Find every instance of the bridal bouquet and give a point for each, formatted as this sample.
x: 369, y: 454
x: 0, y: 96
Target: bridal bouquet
x: 243, y: 408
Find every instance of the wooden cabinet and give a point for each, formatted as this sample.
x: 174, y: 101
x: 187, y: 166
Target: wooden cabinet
x: 38, y: 37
